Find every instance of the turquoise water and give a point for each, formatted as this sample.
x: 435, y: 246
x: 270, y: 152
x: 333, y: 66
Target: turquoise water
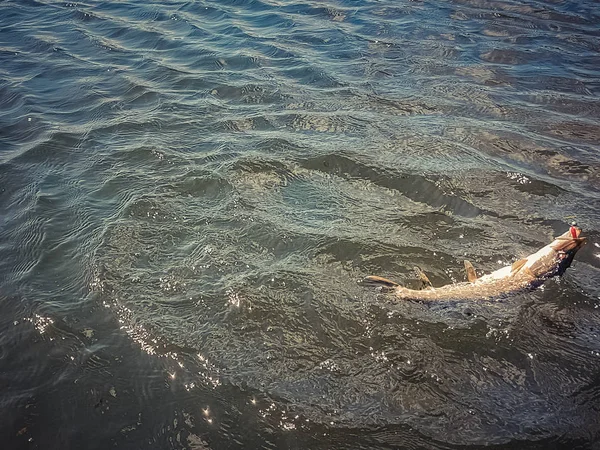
x: 191, y: 191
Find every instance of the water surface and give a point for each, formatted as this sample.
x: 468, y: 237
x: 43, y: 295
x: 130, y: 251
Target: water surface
x: 191, y: 191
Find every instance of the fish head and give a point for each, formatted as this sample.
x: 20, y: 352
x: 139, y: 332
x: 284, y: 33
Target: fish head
x: 565, y: 247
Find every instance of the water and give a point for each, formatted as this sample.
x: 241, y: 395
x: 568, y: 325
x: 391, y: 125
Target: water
x: 191, y: 191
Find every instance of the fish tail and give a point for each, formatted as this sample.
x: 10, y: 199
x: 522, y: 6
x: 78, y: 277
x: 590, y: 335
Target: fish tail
x: 380, y: 280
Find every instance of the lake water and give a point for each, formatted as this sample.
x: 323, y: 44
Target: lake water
x: 190, y: 192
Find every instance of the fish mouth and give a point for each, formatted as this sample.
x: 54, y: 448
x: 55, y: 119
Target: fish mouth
x: 571, y: 241
x: 582, y: 241
x: 579, y: 242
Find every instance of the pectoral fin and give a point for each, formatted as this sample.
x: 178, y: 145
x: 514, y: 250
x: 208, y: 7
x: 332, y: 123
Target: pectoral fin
x: 518, y: 264
x: 426, y: 284
x: 471, y: 275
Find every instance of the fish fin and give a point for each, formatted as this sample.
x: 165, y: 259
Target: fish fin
x: 518, y: 264
x: 426, y: 284
x: 380, y: 280
x: 471, y: 275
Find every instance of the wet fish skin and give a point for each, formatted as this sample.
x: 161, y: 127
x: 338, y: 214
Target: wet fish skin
x: 527, y: 273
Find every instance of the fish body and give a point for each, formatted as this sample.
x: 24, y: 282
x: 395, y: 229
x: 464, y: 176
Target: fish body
x: 527, y: 273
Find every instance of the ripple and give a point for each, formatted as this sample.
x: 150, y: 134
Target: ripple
x: 416, y: 188
x: 191, y: 192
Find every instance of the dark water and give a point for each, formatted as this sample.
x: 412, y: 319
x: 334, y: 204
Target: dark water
x: 190, y: 191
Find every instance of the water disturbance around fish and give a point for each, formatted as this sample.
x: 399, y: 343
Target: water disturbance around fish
x: 191, y: 191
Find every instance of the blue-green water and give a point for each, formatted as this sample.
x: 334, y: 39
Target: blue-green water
x: 191, y: 191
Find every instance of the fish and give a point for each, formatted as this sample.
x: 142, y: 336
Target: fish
x: 526, y: 273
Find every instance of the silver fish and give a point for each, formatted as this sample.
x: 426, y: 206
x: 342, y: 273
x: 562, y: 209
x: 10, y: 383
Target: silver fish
x: 526, y: 273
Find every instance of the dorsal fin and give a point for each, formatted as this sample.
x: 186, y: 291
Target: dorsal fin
x: 518, y: 264
x: 471, y: 275
x: 423, y: 279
